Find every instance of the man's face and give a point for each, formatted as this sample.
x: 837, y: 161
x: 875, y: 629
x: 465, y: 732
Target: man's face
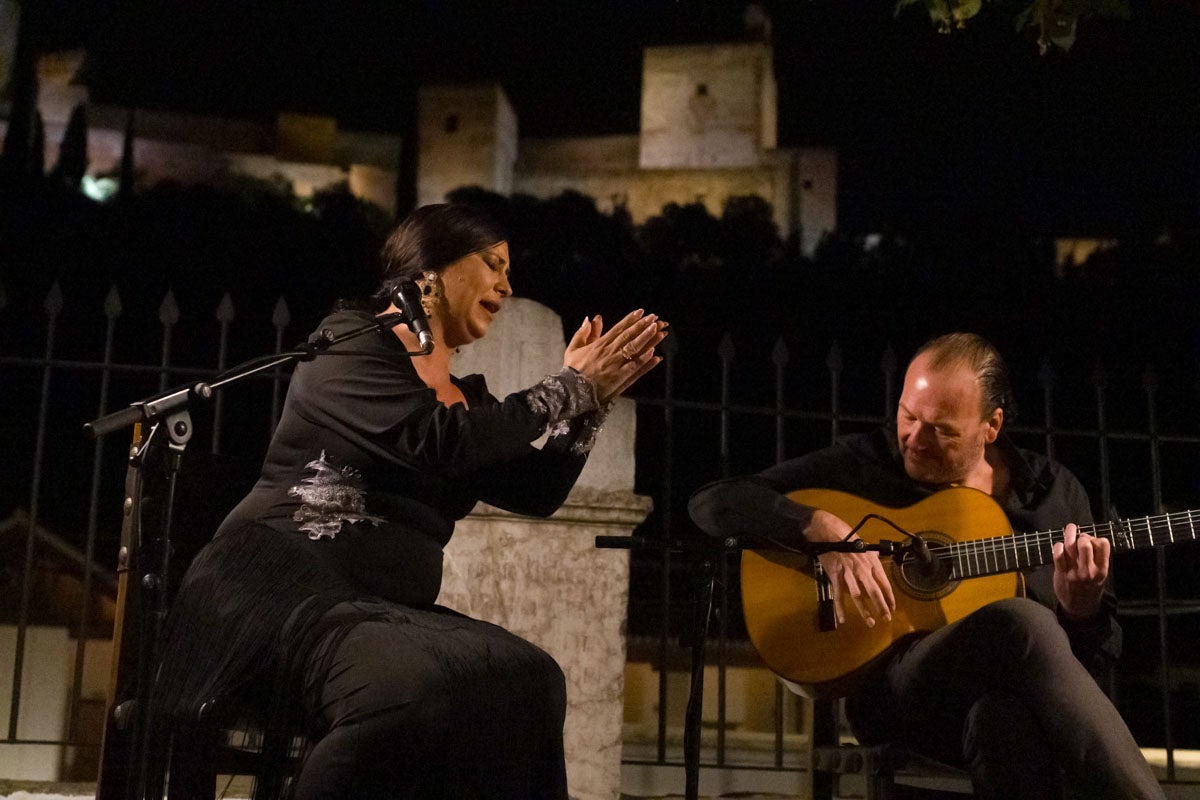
x: 940, y: 424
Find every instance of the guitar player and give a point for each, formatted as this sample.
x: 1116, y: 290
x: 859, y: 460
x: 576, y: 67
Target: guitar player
x: 1010, y: 691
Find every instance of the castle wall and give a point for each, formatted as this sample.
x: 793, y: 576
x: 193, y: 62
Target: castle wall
x: 218, y: 134
x: 814, y: 199
x: 467, y: 136
x: 705, y: 107
x: 645, y: 192
x: 708, y: 134
x: 581, y: 153
x: 800, y: 185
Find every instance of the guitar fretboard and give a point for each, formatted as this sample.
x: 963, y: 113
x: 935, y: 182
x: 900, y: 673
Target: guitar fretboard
x: 999, y: 554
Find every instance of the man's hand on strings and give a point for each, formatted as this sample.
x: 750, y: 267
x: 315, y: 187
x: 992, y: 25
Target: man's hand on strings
x: 1080, y: 570
x: 859, y: 575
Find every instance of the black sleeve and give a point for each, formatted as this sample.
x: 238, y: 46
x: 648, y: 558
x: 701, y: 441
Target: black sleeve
x: 1096, y: 642
x: 537, y: 482
x: 534, y: 484
x: 749, y: 508
x: 381, y: 405
x: 756, y: 506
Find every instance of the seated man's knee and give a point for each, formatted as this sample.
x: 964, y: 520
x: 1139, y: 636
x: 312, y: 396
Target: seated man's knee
x: 1027, y: 641
x: 1022, y: 620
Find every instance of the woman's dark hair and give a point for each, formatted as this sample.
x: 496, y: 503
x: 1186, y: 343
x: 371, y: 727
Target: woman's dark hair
x: 430, y: 238
x: 982, y: 357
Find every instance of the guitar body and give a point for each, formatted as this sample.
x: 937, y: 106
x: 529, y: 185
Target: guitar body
x: 794, y: 631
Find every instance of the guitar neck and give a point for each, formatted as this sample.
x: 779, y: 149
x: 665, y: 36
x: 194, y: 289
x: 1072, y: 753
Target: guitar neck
x: 998, y: 554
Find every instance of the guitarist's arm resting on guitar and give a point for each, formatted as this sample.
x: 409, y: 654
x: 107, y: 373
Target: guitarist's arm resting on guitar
x: 751, y: 508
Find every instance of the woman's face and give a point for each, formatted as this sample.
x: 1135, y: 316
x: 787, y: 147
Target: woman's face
x: 474, y: 288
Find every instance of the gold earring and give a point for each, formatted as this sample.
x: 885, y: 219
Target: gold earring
x: 430, y: 284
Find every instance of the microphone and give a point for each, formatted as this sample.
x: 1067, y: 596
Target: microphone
x: 407, y: 298
x: 921, y: 550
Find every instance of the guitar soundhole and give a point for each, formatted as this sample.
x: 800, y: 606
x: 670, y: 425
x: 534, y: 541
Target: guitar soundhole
x: 928, y: 581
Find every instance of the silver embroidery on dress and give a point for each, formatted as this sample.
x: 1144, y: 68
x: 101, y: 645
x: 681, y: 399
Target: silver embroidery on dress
x: 331, y: 497
x: 590, y: 426
x: 562, y: 396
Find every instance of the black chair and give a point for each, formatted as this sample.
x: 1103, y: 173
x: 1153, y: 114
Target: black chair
x: 888, y: 772
x: 225, y: 740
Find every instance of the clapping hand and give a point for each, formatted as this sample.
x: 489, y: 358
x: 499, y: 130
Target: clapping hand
x: 613, y: 360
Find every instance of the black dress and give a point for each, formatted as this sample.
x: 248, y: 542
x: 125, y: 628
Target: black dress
x: 319, y: 587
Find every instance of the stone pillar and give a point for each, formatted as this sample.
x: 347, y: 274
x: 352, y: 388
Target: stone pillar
x: 544, y: 579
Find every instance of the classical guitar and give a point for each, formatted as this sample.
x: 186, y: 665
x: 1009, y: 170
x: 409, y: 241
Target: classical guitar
x: 787, y: 602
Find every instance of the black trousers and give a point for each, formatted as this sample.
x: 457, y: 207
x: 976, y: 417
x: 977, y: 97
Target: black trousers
x: 427, y: 703
x: 1000, y: 692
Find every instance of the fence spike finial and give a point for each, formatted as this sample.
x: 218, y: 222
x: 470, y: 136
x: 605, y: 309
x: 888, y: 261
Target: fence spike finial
x: 834, y: 360
x: 281, y: 317
x: 888, y: 363
x: 1046, y: 374
x: 225, y: 309
x: 53, y: 304
x: 1149, y: 378
x: 168, y: 309
x: 112, y: 303
x: 670, y: 345
x: 726, y: 349
x: 779, y: 353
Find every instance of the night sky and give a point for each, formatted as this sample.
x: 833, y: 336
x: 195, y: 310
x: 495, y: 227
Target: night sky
x: 971, y: 127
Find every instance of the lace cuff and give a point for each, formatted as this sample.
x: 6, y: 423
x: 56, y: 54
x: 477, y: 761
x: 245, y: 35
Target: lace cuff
x: 562, y: 396
x: 585, y: 429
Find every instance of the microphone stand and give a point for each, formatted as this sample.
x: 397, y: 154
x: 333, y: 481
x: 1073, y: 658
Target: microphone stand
x: 705, y: 553
x: 167, y: 417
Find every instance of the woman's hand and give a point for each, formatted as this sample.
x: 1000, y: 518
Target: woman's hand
x: 615, y: 359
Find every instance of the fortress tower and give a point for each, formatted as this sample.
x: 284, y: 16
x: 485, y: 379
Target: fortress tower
x: 467, y: 137
x: 706, y: 107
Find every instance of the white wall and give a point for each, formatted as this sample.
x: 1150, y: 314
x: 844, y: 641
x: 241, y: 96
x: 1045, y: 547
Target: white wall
x: 45, y: 679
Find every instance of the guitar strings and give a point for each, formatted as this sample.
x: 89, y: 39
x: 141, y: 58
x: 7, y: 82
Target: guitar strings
x: 1122, y: 535
x: 1126, y: 534
x: 1135, y: 533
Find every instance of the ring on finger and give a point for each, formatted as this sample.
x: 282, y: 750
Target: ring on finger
x: 626, y: 354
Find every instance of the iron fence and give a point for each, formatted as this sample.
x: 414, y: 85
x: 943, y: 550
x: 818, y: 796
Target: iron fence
x: 749, y: 414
